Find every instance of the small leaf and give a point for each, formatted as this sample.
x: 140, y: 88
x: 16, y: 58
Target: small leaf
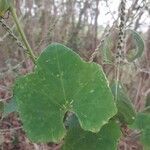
x: 10, y: 107
x: 126, y: 112
x: 139, y: 43
x: 4, y: 6
x: 142, y: 122
x: 62, y: 82
x: 106, y: 139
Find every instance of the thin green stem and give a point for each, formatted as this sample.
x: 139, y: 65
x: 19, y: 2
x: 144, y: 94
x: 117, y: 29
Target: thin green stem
x: 22, y: 34
x: 117, y: 81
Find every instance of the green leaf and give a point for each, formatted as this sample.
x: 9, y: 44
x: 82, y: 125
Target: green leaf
x: 142, y: 122
x: 106, y: 139
x: 62, y: 82
x: 4, y: 6
x: 10, y: 107
x: 139, y: 43
x: 145, y: 139
x: 147, y: 104
x: 126, y: 112
x: 147, y: 100
x: 1, y: 107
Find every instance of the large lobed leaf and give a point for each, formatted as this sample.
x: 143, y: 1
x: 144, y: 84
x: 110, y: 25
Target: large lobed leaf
x: 106, y: 139
x: 62, y: 82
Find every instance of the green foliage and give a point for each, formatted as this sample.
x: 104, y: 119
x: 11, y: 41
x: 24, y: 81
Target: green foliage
x: 1, y: 107
x: 147, y: 100
x: 65, y: 92
x: 107, y: 55
x: 147, y: 109
x: 145, y: 139
x: 147, y: 104
x: 142, y: 123
x: 106, y: 139
x: 71, y: 121
x: 9, y: 107
x: 126, y: 112
x: 4, y: 6
x: 139, y: 43
x: 62, y: 82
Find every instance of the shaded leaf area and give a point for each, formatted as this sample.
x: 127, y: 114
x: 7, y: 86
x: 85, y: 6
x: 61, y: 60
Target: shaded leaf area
x: 1, y: 107
x: 62, y: 82
x: 126, y: 112
x: 147, y: 100
x: 139, y: 44
x: 142, y: 123
x: 147, y: 104
x: 106, y: 139
x: 71, y: 121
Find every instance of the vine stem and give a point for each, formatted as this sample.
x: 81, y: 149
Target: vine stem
x: 21, y: 32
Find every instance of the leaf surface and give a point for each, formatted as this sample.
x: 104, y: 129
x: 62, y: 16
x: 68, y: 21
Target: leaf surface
x: 62, y: 82
x: 142, y: 123
x: 106, y: 139
x: 126, y: 112
x: 4, y: 6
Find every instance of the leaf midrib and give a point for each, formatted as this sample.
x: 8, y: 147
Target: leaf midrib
x: 61, y: 79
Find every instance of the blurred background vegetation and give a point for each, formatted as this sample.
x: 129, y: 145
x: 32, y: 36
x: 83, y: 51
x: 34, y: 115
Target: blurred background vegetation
x: 83, y: 25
